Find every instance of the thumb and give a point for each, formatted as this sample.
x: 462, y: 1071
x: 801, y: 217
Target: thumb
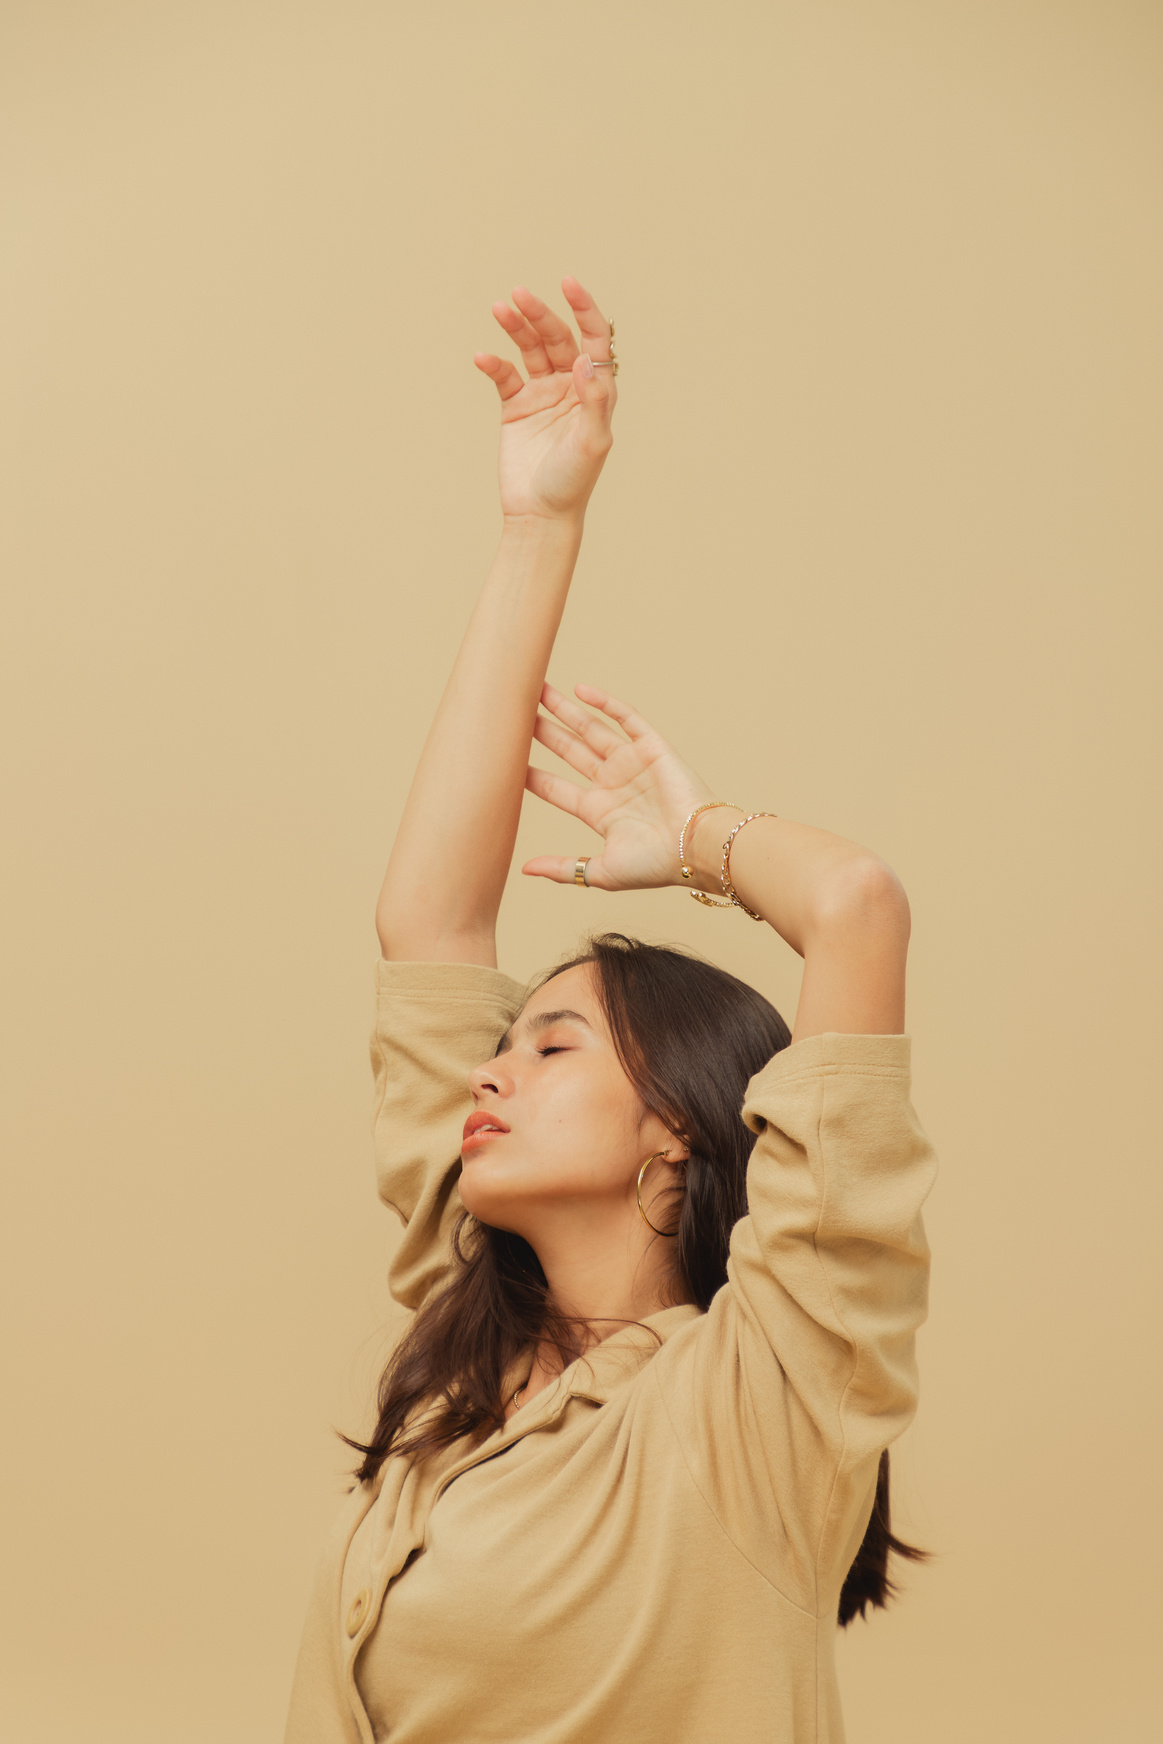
x: 596, y: 394
x: 565, y: 871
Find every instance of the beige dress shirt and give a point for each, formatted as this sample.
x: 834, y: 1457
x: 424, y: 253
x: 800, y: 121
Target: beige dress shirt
x: 651, y: 1549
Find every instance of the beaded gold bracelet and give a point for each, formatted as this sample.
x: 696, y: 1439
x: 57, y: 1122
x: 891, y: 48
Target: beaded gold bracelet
x: 729, y: 891
x: 688, y: 871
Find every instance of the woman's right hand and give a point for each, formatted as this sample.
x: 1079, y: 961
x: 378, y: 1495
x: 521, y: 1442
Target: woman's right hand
x: 639, y: 794
x: 555, y: 427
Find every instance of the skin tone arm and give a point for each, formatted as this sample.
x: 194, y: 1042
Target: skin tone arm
x: 454, y: 846
x: 841, y: 908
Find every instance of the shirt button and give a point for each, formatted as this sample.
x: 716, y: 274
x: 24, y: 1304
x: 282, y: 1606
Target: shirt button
x: 358, y: 1611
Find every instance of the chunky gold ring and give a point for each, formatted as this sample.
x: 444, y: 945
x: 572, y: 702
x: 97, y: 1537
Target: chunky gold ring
x: 579, y: 871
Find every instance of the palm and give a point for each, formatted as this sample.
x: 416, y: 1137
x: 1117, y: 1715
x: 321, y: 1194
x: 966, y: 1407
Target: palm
x: 638, y: 795
x: 543, y: 467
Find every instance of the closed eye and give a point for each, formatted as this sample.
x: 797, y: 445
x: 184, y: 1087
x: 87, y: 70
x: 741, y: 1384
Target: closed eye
x: 552, y: 1050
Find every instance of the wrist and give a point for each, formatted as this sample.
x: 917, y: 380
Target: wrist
x: 704, y: 847
x: 539, y: 529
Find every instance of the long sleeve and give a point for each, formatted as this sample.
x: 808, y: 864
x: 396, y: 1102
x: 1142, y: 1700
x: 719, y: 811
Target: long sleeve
x: 804, y: 1368
x: 434, y: 1023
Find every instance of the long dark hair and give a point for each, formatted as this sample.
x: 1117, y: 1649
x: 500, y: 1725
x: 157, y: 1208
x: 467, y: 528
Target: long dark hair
x: 688, y: 1036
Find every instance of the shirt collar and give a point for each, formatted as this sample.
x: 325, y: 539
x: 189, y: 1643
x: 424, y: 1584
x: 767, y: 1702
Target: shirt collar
x: 608, y: 1366
x: 596, y: 1377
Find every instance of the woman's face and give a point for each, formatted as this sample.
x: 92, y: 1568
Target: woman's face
x: 567, y: 1131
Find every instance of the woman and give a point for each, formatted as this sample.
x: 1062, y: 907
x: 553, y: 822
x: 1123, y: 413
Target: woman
x: 631, y: 1446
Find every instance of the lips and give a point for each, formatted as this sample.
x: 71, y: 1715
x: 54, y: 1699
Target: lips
x: 482, y: 1124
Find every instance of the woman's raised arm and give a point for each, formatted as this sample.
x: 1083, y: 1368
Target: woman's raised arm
x: 453, y: 848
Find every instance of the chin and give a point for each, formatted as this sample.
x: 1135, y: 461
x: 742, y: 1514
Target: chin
x: 480, y: 1197
x: 491, y: 1205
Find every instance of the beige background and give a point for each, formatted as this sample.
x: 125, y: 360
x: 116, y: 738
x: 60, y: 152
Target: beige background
x: 878, y: 546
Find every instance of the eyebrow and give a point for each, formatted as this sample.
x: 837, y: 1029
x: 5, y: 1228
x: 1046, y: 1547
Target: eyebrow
x: 543, y: 1020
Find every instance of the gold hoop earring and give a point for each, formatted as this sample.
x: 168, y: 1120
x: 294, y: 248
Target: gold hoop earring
x: 652, y: 1159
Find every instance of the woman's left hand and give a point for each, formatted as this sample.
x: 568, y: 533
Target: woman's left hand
x: 555, y: 427
x: 639, y: 792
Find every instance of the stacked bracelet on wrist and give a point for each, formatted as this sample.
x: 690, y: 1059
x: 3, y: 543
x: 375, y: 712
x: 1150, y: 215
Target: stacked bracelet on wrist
x: 733, y: 899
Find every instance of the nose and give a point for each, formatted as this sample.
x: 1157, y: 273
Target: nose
x: 489, y: 1079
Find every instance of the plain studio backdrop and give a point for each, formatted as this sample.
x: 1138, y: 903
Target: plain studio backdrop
x: 878, y: 547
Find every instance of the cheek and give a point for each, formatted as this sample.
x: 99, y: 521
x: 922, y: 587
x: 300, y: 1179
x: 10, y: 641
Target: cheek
x: 585, y: 1120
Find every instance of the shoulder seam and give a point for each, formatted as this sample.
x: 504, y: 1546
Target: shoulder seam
x: 837, y: 1071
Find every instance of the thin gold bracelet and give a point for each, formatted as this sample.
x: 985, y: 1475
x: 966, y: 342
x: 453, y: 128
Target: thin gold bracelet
x: 725, y: 874
x: 688, y: 871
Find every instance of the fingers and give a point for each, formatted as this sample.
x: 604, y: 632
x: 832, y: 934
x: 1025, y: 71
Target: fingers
x: 592, y: 324
x: 567, y: 746
x: 505, y: 376
x: 548, y: 347
x: 627, y: 718
x: 593, y: 733
x: 559, y: 342
x: 564, y: 795
x: 533, y: 352
x: 552, y: 788
x: 596, y: 396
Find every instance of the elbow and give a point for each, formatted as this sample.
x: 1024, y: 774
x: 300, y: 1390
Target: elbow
x: 385, y: 932
x: 862, y: 896
x: 413, y: 935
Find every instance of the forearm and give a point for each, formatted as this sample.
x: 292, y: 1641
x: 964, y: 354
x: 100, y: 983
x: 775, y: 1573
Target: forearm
x: 833, y: 901
x: 454, y: 845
